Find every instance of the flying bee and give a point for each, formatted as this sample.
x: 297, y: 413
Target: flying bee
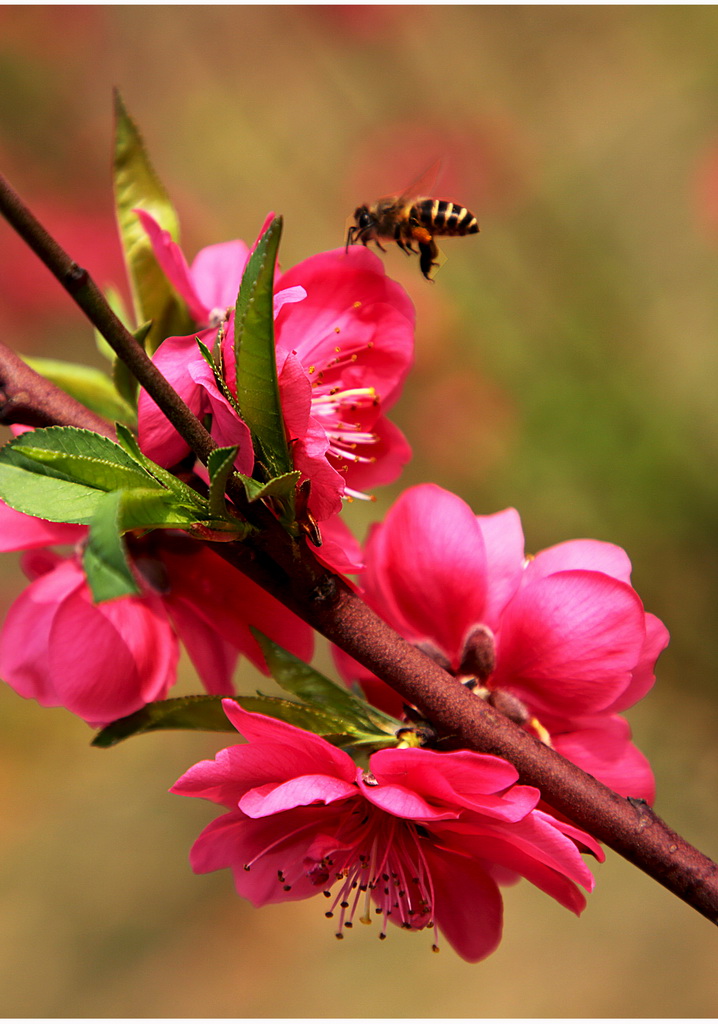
x: 410, y: 218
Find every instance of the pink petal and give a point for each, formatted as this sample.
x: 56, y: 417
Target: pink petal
x: 99, y: 661
x: 97, y: 673
x: 602, y: 747
x: 269, y: 846
x: 309, y: 454
x: 297, y: 751
x: 581, y: 554
x: 349, y: 291
x: 229, y: 603
x: 158, y: 438
x: 405, y: 803
x: 25, y: 637
x: 550, y: 880
x: 389, y: 454
x: 455, y: 779
x: 295, y: 393
x: 568, y: 642
x: 298, y: 792
x: 467, y: 903
x: 19, y: 532
x: 426, y: 568
x: 340, y: 551
x: 227, y: 427
x: 213, y: 658
x: 504, y: 544
x: 174, y: 266
x: 216, y: 275
x: 643, y: 677
x: 281, y: 298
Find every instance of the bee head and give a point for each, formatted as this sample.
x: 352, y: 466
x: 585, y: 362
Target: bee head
x: 363, y: 218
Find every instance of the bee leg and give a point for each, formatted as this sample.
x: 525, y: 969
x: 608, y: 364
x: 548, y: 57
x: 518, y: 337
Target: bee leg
x: 429, y: 251
x: 378, y: 244
x: 403, y: 246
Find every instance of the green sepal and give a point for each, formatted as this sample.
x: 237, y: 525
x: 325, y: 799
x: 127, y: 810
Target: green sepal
x: 255, y: 356
x: 219, y: 466
x: 279, y: 487
x: 357, y: 717
x: 218, y: 376
x: 137, y: 186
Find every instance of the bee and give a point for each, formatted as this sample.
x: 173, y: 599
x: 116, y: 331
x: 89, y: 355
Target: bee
x: 410, y: 218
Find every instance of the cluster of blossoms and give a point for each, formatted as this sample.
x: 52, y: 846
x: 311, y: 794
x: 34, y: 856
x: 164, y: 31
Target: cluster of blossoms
x: 560, y: 642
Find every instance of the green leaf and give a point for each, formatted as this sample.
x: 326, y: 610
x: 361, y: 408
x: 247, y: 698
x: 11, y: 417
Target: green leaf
x: 257, y: 387
x: 105, y: 559
x: 300, y: 679
x: 205, y: 713
x: 90, y: 386
x: 60, y: 473
x: 137, y: 186
x: 80, y: 456
x: 182, y: 491
x: 59, y: 501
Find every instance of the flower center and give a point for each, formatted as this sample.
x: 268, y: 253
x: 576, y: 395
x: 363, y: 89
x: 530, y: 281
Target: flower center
x: 477, y: 663
x: 346, y: 413
x: 385, y: 866
x: 365, y: 861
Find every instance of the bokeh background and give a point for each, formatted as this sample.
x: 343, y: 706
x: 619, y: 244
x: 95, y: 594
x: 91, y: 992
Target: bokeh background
x: 567, y: 361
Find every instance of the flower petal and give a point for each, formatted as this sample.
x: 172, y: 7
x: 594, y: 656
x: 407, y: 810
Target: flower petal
x: 467, y: 903
x: 216, y: 275
x: 602, y: 746
x: 596, y: 555
x: 568, y: 643
x: 302, y: 791
x: 158, y: 438
x: 19, y: 532
x: 426, y: 568
x: 174, y: 266
x: 504, y: 545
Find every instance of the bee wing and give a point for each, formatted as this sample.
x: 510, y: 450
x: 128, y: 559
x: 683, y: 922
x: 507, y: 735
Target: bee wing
x: 424, y: 185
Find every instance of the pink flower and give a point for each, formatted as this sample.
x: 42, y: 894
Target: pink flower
x: 344, y: 342
x: 426, y: 837
x: 105, y: 661
x: 560, y: 642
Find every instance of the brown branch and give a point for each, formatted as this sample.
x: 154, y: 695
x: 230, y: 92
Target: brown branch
x: 288, y: 570
x: 80, y: 286
x: 28, y: 398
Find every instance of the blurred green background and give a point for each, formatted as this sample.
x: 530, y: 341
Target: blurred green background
x: 567, y: 361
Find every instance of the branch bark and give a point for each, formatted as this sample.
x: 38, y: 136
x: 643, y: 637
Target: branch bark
x: 27, y: 397
x: 288, y: 570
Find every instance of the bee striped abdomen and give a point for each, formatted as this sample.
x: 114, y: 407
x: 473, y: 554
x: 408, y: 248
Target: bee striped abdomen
x: 441, y: 217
